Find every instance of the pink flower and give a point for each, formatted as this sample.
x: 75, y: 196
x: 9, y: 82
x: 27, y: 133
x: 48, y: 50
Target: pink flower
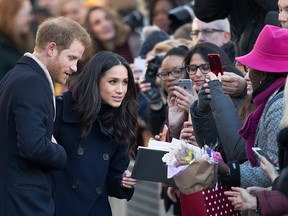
x: 217, y: 157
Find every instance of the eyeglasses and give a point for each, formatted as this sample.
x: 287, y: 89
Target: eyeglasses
x: 175, y: 72
x: 205, y: 32
x: 192, y: 69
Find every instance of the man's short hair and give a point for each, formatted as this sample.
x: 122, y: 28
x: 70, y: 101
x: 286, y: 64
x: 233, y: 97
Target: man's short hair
x: 223, y: 24
x: 63, y: 31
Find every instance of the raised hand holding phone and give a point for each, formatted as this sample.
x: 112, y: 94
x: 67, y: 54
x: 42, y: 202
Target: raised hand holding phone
x: 186, y: 84
x: 185, y: 94
x: 259, y: 152
x: 215, y: 63
x: 269, y: 168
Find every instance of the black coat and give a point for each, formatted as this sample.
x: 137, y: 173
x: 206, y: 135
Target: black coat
x: 247, y: 18
x: 281, y: 182
x: 220, y: 124
x: 9, y: 55
x: 283, y: 148
x: 27, y: 154
x: 83, y: 187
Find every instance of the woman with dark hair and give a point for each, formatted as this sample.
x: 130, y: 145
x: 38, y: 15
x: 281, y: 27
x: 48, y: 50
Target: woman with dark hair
x: 201, y: 51
x: 108, y: 33
x: 96, y: 123
x: 159, y: 14
x: 267, y: 69
x: 272, y: 200
x: 215, y: 119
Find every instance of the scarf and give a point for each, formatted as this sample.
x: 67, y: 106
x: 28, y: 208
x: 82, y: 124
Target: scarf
x: 249, y: 128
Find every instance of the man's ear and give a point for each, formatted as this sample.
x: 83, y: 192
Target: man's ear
x: 51, y: 48
x: 227, y: 37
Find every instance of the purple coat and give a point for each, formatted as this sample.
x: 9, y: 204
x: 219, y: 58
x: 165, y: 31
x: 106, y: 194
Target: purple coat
x: 272, y: 203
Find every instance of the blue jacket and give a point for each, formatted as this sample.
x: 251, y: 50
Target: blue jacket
x: 27, y: 154
x: 82, y: 188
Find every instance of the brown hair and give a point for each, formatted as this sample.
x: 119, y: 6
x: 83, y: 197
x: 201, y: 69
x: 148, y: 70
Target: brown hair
x: 122, y: 30
x: 246, y: 108
x: 85, y: 89
x: 63, y: 31
x: 8, y: 11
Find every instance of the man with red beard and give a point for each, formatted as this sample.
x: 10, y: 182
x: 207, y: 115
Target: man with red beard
x: 28, y: 153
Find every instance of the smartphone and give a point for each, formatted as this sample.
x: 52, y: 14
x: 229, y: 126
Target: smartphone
x: 186, y: 84
x: 215, y: 63
x: 258, y: 151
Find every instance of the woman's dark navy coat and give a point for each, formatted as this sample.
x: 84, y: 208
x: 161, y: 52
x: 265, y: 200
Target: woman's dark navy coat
x: 83, y: 187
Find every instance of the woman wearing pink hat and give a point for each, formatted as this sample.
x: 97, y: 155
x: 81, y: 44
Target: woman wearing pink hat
x: 267, y: 66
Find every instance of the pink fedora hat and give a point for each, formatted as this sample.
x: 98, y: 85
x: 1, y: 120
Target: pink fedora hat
x: 270, y: 52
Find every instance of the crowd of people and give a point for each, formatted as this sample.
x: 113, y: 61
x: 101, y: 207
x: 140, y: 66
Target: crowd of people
x: 83, y: 83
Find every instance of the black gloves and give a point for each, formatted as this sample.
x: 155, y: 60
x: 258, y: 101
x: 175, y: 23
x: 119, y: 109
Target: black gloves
x: 153, y: 96
x: 215, y: 88
x: 233, y: 179
x: 203, y: 103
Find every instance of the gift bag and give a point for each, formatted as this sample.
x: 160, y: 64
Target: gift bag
x: 197, y: 176
x: 208, y: 202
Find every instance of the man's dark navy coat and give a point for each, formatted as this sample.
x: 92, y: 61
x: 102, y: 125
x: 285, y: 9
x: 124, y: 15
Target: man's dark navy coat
x: 27, y: 154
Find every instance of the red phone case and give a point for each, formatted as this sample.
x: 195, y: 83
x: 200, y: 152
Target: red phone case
x: 215, y: 63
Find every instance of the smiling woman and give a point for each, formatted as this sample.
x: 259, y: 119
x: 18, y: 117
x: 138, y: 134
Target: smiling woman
x: 96, y: 124
x: 108, y: 33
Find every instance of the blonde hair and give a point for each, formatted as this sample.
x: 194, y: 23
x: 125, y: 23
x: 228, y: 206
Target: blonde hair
x: 81, y: 8
x: 63, y: 31
x: 284, y: 120
x: 165, y: 46
x: 122, y: 5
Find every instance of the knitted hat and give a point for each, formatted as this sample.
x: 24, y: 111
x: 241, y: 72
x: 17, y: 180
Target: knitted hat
x: 151, y: 40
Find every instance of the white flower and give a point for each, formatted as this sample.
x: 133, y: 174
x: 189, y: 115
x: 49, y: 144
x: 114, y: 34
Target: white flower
x: 169, y: 159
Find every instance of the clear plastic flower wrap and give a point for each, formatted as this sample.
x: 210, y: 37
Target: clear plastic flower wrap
x: 192, y: 168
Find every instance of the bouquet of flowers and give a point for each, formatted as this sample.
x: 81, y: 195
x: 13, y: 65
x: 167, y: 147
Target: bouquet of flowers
x: 192, y: 168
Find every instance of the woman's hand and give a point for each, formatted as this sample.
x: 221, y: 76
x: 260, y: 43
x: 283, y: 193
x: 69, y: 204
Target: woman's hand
x: 268, y: 168
x: 173, y: 193
x: 184, y: 98
x: 241, y: 199
x: 127, y: 181
x: 211, y: 76
x: 176, y: 117
x: 144, y: 86
x: 187, y: 133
